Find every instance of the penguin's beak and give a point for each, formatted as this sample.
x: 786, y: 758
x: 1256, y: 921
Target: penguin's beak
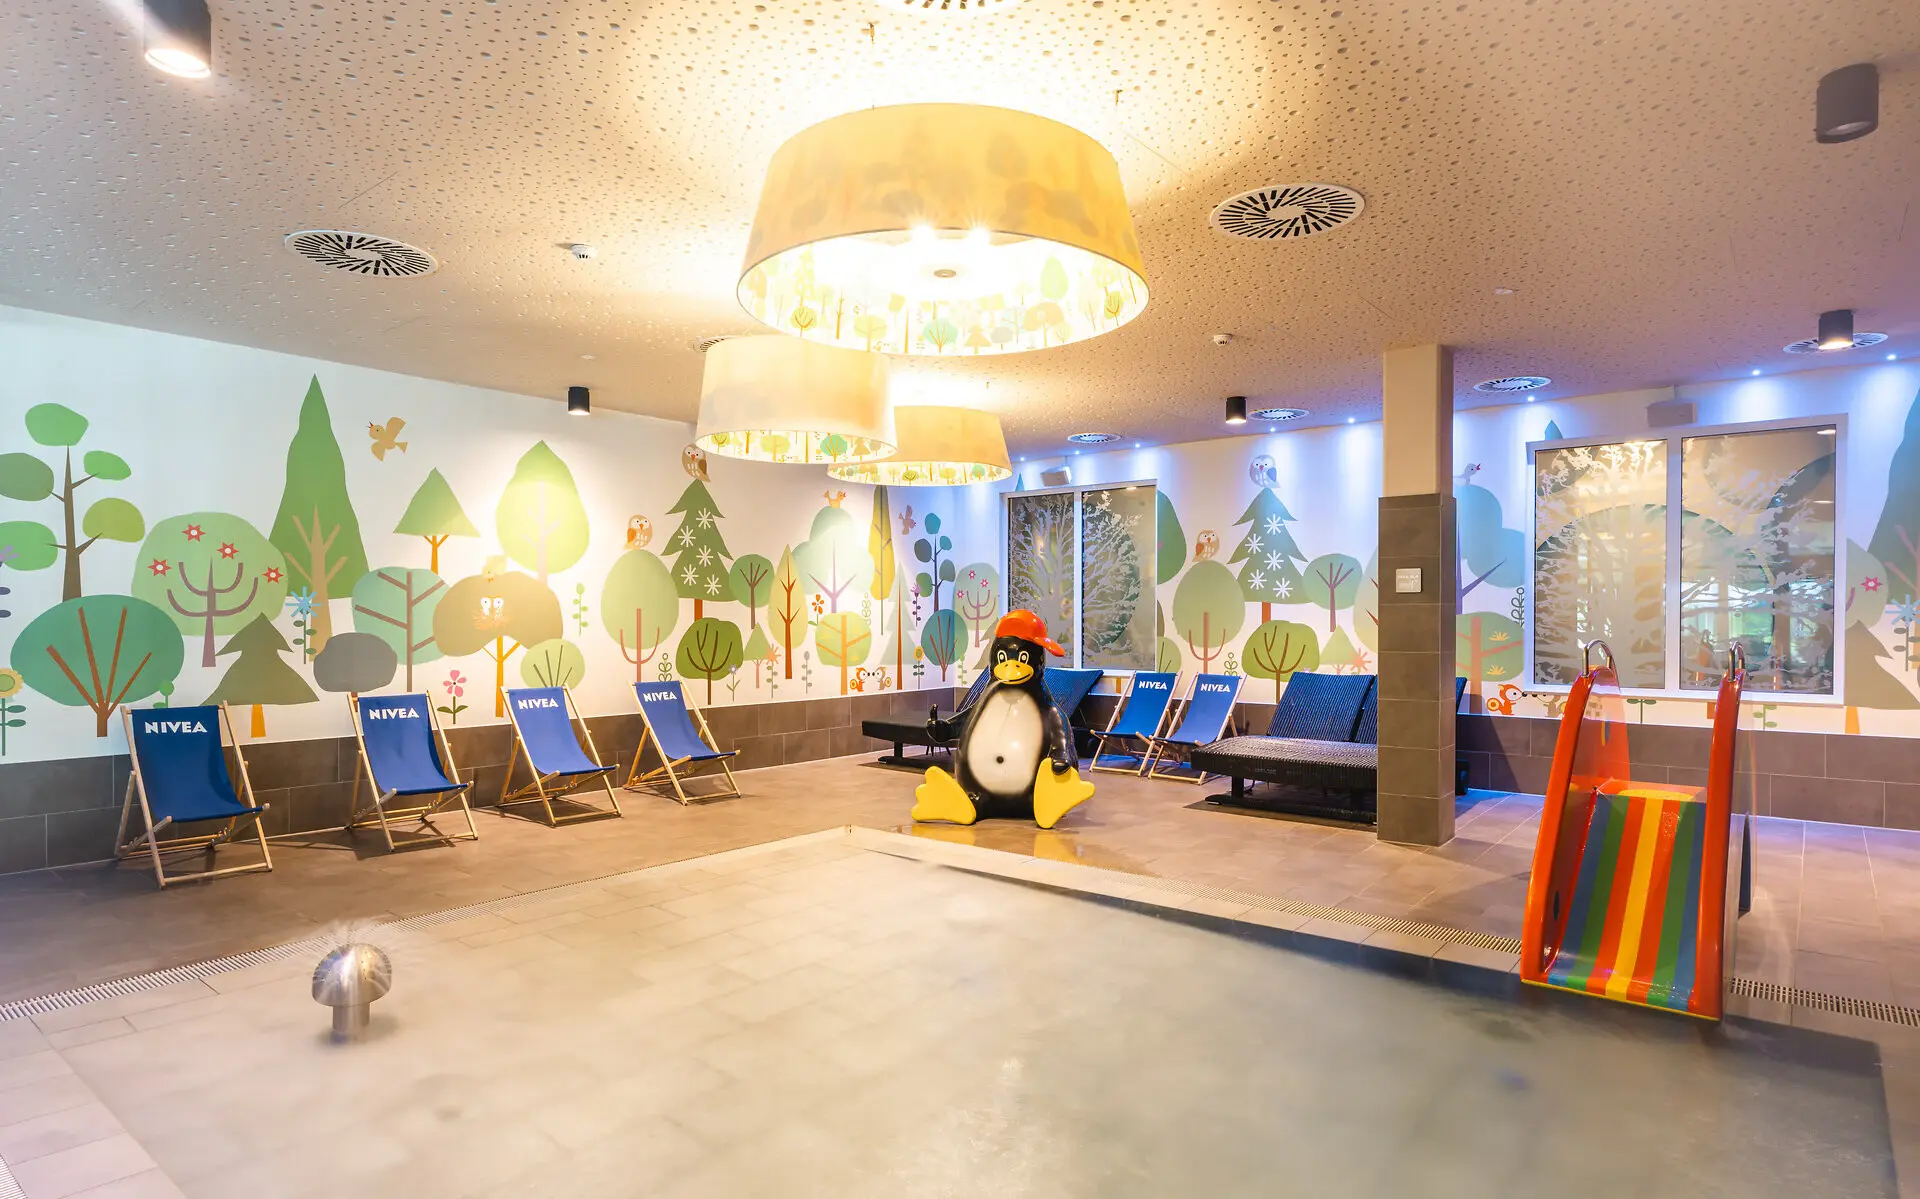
x: 1013, y: 672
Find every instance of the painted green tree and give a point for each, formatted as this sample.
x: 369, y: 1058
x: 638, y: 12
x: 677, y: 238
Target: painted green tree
x: 833, y: 561
x: 700, y: 554
x: 880, y: 551
x: 25, y: 477
x: 1487, y: 649
x: 756, y: 651
x: 435, y: 514
x: 1172, y: 552
x: 1270, y: 574
x: 788, y: 608
x: 1277, y: 649
x: 751, y: 582
x: 98, y: 652
x: 1333, y: 580
x: 709, y: 649
x: 355, y: 662
x: 943, y: 639
x: 1896, y: 536
x: 1208, y: 610
x: 639, y: 607
x: 1342, y: 654
x: 556, y: 663
x: 844, y: 639
x: 396, y: 605
x: 541, y: 522
x: 1490, y: 552
x: 258, y: 675
x: 212, y: 572
x: 498, y: 615
x: 27, y: 545
x: 931, y: 550
x: 316, y: 527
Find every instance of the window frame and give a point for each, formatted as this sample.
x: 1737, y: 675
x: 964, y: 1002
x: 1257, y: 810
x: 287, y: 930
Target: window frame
x: 1078, y: 491
x: 1673, y: 440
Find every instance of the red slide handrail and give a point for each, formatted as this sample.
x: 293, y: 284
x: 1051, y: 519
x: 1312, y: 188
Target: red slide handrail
x: 1546, y: 873
x: 1710, y: 970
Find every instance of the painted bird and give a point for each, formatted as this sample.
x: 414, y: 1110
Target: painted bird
x: 639, y: 532
x: 1206, y: 545
x: 387, y: 437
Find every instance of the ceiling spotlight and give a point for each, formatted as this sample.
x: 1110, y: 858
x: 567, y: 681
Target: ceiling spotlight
x: 1092, y: 438
x: 579, y: 402
x: 1847, y: 104
x: 1510, y: 383
x: 1279, y: 413
x: 1836, y: 329
x: 1756, y: 370
x: 1349, y: 420
x: 179, y: 37
x: 1891, y: 357
x: 1236, y: 410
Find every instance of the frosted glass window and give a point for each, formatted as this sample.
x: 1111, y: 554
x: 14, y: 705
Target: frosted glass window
x: 1600, y: 559
x: 1042, y: 554
x: 1117, y: 543
x: 1757, y: 558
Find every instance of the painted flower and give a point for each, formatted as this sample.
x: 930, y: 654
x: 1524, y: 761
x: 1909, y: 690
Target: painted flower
x: 192, y: 532
x: 819, y: 605
x: 1906, y: 612
x: 455, y: 684
x: 1869, y: 584
x: 10, y: 683
x: 159, y: 566
x: 227, y: 549
x: 301, y: 602
x: 271, y: 574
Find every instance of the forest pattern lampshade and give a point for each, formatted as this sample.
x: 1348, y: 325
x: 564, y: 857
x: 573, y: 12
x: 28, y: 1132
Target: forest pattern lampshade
x: 943, y: 230
x: 939, y: 447
x: 780, y: 399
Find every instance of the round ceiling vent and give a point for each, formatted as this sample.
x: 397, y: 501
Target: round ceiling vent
x: 1287, y: 210
x: 1279, y: 413
x: 703, y: 344
x: 1092, y: 438
x: 1513, y: 383
x: 1811, y: 345
x: 361, y: 253
x: 954, y: 6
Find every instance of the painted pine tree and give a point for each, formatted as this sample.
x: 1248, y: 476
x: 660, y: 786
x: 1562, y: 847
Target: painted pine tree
x: 700, y: 554
x: 435, y: 514
x: 316, y: 527
x: 1270, y: 573
x: 259, y: 676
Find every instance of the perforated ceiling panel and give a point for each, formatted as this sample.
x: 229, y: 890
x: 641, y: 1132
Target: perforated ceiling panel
x: 1642, y: 174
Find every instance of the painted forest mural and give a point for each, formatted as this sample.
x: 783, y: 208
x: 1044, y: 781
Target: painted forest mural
x: 456, y: 559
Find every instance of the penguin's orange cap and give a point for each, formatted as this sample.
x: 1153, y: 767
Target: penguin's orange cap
x: 1028, y: 627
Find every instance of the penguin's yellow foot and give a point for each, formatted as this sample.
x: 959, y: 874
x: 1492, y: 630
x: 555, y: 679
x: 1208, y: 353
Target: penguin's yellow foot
x: 1054, y: 795
x: 940, y: 798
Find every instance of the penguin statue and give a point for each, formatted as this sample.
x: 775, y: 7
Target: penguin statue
x: 1016, y: 757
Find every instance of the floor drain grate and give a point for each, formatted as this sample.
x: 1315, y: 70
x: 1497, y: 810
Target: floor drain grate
x: 1845, y: 1005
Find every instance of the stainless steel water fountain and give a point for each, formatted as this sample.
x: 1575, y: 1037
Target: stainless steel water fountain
x: 348, y: 980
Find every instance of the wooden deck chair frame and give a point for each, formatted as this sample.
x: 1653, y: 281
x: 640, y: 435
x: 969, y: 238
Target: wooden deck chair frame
x: 1158, y: 757
x: 150, y: 841
x: 538, y: 790
x: 637, y: 781
x: 377, y: 810
x: 1152, y: 739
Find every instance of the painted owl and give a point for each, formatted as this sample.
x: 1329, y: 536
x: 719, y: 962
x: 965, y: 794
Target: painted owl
x: 493, y: 612
x: 693, y: 460
x: 1263, y: 471
x: 639, y: 532
x: 1206, y: 545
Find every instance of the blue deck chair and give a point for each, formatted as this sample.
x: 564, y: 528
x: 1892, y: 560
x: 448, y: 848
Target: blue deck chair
x: 179, y: 775
x: 1137, y: 721
x: 404, y: 756
x: 667, y: 717
x: 549, y: 732
x: 1205, y: 717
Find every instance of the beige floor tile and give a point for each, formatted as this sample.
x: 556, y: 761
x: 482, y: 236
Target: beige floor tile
x: 76, y: 1170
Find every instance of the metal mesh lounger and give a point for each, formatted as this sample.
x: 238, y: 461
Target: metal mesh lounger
x: 179, y: 776
x: 404, y: 755
x: 919, y: 732
x: 550, y: 733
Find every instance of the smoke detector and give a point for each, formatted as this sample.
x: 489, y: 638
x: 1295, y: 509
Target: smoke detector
x: 1287, y: 211
x: 1511, y: 383
x: 582, y: 250
x: 361, y: 253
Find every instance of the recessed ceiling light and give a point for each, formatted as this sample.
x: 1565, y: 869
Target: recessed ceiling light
x: 179, y: 37
x: 1756, y: 370
x: 586, y: 357
x: 1349, y: 420
x: 1279, y: 413
x: 1511, y: 383
x: 1503, y: 291
x: 1092, y: 438
x: 1812, y: 345
x: 1891, y: 357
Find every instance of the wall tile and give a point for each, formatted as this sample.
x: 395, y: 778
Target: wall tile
x: 276, y: 764
x: 61, y: 785
x: 318, y: 806
x: 1842, y: 801
x: 1410, y: 723
x: 829, y: 713
x: 1887, y: 759
x: 808, y: 746
x: 74, y: 837
x: 23, y: 843
x: 743, y: 721
x: 1668, y: 745
x: 1416, y: 627
x: 758, y: 752
x: 1490, y: 734
x: 848, y: 739
x: 1774, y: 752
x: 783, y: 718
x: 1903, y: 805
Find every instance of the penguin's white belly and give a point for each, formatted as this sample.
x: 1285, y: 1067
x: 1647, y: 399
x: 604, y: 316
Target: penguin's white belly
x: 1006, y: 742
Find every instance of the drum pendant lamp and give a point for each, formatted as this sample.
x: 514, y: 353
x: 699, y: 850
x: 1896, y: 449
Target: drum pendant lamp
x: 780, y: 399
x: 939, y: 447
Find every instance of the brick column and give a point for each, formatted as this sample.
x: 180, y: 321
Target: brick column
x: 1416, y: 802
